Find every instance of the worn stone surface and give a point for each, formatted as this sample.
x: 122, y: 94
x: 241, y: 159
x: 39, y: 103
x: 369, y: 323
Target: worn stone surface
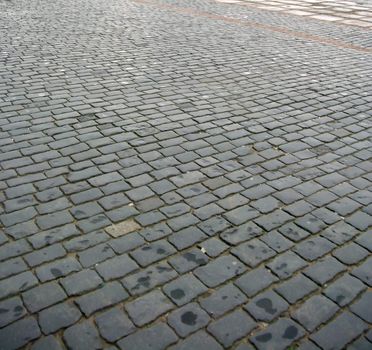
x: 185, y: 174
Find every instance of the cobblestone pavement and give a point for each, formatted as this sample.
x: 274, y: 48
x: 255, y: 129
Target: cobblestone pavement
x: 183, y: 175
x: 358, y: 13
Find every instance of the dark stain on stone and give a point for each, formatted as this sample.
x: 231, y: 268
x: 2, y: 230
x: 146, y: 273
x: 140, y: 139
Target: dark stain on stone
x: 189, y: 318
x: 24, y: 200
x: 339, y: 298
x: 98, y: 219
x: 56, y: 272
x: 18, y: 310
x: 146, y: 248
x: 290, y: 332
x: 3, y: 311
x: 267, y: 305
x: 142, y: 282
x: 177, y: 293
x: 224, y: 297
x: 160, y: 251
x: 192, y: 258
x: 282, y: 266
x: 23, y: 285
x: 162, y: 269
x: 263, y: 338
x: 84, y: 241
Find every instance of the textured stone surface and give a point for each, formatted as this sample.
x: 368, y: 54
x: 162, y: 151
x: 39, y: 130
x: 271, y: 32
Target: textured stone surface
x: 168, y: 161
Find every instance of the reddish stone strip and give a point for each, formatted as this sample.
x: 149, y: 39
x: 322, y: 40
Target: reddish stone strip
x: 309, y: 17
x: 292, y: 33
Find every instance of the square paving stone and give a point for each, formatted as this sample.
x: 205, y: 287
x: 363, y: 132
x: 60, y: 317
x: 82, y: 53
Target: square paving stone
x: 326, y: 215
x: 186, y: 237
x: 122, y: 228
x: 214, y: 225
x: 256, y: 280
x: 315, y: 311
x: 324, y: 270
x: 114, y: 324
x: 82, y: 336
x: 273, y: 220
x: 146, y: 279
x: 183, y: 289
x: 213, y: 247
x: 286, y: 264
x: 361, y: 221
x: 313, y: 248
x: 276, y: 241
x: 344, y: 289
x: 241, y: 215
x: 241, y: 233
x: 339, y: 233
x: 266, y: 306
x: 188, y: 319
x: 152, y: 252
x: 344, y: 206
x: 81, y: 282
x: 126, y: 243
x: 311, y: 223
x: 58, y: 316
x: 116, y: 267
x: 219, y: 270
x: 156, y: 232
x: 232, y: 327
x: 156, y: 337
x: 350, y: 254
x: 253, y: 252
x: 266, y: 204
x: 86, y: 210
x: 187, y: 261
x: 148, y: 307
x: 296, y: 288
x: 293, y: 232
x: 282, y: 333
x: 222, y: 300
x: 95, y: 255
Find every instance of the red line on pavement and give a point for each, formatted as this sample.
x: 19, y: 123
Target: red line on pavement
x: 247, y: 23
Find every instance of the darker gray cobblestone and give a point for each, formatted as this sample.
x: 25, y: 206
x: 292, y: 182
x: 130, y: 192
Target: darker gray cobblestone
x: 175, y: 179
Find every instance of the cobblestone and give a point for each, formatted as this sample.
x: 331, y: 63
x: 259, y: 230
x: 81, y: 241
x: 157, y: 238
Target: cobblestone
x: 185, y: 174
x: 232, y: 327
x: 114, y: 324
